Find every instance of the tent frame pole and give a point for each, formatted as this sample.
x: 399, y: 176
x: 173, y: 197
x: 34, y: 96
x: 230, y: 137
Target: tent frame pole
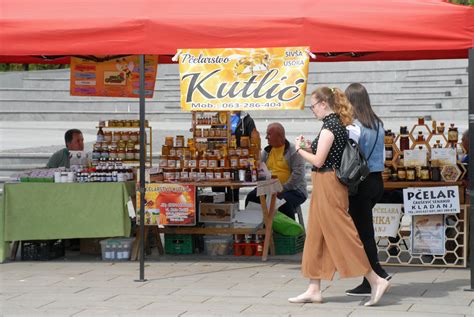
x: 142, y: 169
x: 470, y: 70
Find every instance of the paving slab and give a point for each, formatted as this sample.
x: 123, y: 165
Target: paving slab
x: 207, y: 288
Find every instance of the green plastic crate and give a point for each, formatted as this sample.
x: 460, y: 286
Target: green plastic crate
x: 285, y: 245
x: 179, y: 244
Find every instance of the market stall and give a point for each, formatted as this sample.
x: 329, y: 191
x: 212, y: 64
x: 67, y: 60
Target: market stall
x: 415, y: 30
x: 46, y: 211
x: 424, y: 220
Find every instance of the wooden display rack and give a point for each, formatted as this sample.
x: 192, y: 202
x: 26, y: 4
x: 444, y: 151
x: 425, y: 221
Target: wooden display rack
x: 396, y: 251
x: 149, y: 144
x: 267, y: 212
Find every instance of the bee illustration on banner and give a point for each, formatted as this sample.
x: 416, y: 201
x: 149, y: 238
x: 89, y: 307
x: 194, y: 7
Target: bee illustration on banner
x: 253, y: 63
x: 123, y: 66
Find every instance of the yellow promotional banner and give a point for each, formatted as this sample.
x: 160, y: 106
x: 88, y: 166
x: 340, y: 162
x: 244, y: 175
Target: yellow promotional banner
x: 169, y: 204
x: 118, y: 77
x: 243, y: 79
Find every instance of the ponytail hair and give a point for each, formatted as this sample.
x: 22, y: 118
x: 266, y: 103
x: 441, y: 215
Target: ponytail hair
x: 337, y: 101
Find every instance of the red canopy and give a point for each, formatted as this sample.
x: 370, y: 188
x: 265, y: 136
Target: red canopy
x: 373, y: 29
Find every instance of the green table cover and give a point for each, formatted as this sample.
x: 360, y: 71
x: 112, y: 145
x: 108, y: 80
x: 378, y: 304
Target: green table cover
x: 42, y: 211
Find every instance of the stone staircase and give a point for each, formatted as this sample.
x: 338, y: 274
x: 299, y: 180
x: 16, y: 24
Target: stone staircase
x: 32, y: 103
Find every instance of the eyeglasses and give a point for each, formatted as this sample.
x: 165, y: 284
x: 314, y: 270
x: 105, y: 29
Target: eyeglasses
x: 314, y: 104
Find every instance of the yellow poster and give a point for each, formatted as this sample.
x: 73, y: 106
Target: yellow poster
x: 117, y: 77
x: 243, y: 79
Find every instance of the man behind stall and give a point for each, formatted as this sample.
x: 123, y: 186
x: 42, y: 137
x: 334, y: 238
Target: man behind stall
x: 283, y: 161
x: 74, y: 142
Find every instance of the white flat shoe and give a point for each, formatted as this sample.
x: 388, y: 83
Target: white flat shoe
x: 306, y: 299
x: 378, y: 293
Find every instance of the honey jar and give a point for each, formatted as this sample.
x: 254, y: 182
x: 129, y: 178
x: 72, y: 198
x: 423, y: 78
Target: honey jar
x: 169, y: 173
x: 452, y: 134
x: 192, y: 163
x: 108, y: 136
x: 179, y: 141
x: 410, y: 174
x: 121, y: 153
x: 165, y: 150
x: 218, y: 173
x: 402, y: 174
x: 441, y: 127
x: 134, y: 136
x: 245, y: 141
x: 172, y: 161
x: 185, y: 173
x: 227, y: 173
x: 163, y: 161
x: 425, y: 173
x: 420, y: 138
x: 126, y: 136
x: 117, y: 136
x: 209, y: 174
x: 201, y: 174
x: 243, y: 161
x: 203, y: 162
x: 169, y: 141
x: 212, y: 161
x: 234, y: 161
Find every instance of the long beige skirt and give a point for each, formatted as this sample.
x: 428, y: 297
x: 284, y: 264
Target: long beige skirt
x: 332, y: 242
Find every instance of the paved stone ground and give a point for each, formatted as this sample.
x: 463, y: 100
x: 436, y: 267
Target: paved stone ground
x: 204, y: 286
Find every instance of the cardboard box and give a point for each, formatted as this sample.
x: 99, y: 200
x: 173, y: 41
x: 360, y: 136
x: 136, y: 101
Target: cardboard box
x: 90, y: 246
x: 217, y: 212
x: 213, y: 198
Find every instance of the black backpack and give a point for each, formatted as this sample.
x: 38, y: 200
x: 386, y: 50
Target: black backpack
x: 354, y: 168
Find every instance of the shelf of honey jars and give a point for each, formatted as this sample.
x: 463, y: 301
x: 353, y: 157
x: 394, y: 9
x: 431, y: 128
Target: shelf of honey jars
x: 211, y: 156
x: 423, y: 138
x: 120, y: 140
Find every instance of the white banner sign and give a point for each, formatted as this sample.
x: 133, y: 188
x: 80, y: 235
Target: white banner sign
x: 386, y: 219
x: 431, y: 200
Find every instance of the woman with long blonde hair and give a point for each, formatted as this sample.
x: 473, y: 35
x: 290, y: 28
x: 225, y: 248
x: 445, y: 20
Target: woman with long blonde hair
x: 332, y: 243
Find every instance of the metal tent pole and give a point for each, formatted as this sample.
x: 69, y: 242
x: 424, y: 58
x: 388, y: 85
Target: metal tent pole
x: 471, y: 163
x: 142, y: 169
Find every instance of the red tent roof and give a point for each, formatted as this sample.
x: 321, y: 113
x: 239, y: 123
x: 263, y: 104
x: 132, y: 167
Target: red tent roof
x: 373, y: 29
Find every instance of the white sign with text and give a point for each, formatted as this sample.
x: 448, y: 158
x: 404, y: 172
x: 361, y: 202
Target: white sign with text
x: 431, y: 200
x: 386, y: 218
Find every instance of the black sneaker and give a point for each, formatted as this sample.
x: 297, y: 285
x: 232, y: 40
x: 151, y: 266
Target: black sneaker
x: 363, y: 289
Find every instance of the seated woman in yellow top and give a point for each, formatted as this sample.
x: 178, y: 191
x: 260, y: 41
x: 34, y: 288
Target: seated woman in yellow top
x: 282, y: 160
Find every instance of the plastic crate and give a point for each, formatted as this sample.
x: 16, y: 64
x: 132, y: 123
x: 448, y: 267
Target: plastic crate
x: 179, y: 244
x: 286, y: 245
x: 116, y: 249
x: 42, y: 250
x: 218, y: 245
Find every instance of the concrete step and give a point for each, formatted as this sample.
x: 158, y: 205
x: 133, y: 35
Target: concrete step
x: 459, y: 115
x: 441, y: 86
x: 51, y: 93
x: 84, y: 105
x: 423, y: 77
x: 39, y: 159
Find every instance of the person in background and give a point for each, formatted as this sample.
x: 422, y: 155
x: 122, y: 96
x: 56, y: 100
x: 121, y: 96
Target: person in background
x: 74, y: 142
x: 370, y: 191
x: 282, y: 160
x: 241, y: 124
x: 332, y: 243
x: 465, y: 144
